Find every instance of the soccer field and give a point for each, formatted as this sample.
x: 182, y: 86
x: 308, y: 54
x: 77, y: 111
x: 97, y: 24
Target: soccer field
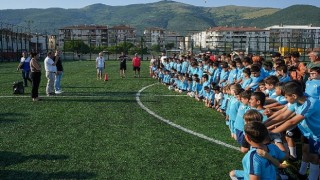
x: 132, y: 128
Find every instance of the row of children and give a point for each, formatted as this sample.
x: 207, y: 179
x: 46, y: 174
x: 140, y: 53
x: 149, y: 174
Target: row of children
x: 239, y: 86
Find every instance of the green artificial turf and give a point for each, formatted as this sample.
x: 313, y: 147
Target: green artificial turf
x: 97, y: 130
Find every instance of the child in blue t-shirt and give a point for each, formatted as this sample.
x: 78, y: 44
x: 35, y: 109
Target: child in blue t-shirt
x: 256, y: 78
x: 313, y: 84
x: 306, y: 108
x: 270, y: 83
x: 280, y: 100
x: 254, y: 165
x: 224, y: 74
x: 233, y: 107
x: 208, y: 97
x: 233, y: 72
x: 239, y: 122
x: 246, y: 79
x: 282, y: 73
x: 240, y: 69
x: 216, y: 75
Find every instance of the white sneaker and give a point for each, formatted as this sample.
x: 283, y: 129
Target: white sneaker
x: 58, y: 92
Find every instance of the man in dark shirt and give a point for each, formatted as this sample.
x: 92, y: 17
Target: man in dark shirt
x: 59, y: 73
x: 123, y: 64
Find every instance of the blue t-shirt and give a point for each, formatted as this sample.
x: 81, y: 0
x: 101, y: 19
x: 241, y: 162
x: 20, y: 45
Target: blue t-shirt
x: 184, y: 67
x: 253, y: 164
x: 204, y: 84
x: 224, y: 76
x: 285, y: 78
x: 240, y: 73
x: 25, y: 63
x: 233, y: 110
x: 239, y: 123
x: 232, y: 76
x: 313, y: 88
x: 255, y: 82
x: 166, y: 78
x: 216, y: 76
x: 272, y: 93
x: 246, y: 82
x: 178, y: 67
x: 224, y: 101
x: 309, y: 109
x: 281, y: 100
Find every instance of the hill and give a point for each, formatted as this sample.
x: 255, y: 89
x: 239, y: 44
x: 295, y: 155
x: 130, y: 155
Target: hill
x: 293, y: 15
x: 170, y: 15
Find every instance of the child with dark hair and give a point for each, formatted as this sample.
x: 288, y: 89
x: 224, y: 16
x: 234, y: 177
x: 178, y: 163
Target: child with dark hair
x: 282, y: 73
x: 240, y: 121
x: 257, y: 101
x: 270, y: 83
x: 240, y: 69
x: 256, y: 78
x: 224, y: 74
x: 232, y: 73
x: 218, y: 97
x: 254, y: 165
x: 267, y: 69
x: 307, y: 115
x: 246, y: 78
x: 233, y: 107
x: 313, y: 84
x: 216, y: 75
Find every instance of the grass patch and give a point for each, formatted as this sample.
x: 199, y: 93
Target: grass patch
x: 96, y: 130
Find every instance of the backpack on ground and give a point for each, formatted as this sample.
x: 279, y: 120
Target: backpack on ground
x: 18, y: 87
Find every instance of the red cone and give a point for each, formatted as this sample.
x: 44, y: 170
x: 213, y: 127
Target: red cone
x: 106, y: 78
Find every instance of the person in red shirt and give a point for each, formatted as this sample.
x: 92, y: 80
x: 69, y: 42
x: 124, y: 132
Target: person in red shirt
x: 136, y: 62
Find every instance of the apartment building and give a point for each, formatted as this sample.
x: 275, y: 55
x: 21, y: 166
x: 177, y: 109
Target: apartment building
x: 92, y: 35
x: 295, y: 36
x: 249, y: 39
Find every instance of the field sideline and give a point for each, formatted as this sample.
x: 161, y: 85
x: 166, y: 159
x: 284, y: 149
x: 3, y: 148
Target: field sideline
x: 97, y: 130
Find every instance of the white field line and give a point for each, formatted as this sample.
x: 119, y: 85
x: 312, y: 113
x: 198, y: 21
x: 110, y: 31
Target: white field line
x: 85, y: 96
x: 178, y: 126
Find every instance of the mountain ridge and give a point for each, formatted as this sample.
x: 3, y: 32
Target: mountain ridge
x: 170, y: 15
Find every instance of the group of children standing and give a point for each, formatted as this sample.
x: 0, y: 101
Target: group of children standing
x: 266, y: 104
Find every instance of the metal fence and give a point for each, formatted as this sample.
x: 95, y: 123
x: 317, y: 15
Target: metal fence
x: 15, y: 39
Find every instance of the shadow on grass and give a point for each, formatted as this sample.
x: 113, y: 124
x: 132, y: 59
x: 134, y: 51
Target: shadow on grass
x: 10, y: 117
x: 13, y: 174
x: 13, y: 158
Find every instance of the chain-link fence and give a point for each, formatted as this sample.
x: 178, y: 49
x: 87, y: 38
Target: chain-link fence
x: 15, y: 39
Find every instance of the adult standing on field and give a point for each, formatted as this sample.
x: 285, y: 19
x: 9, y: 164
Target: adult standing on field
x: 136, y: 62
x: 100, y: 65
x: 51, y: 69
x: 123, y: 64
x: 59, y: 73
x: 35, y: 75
x: 24, y: 65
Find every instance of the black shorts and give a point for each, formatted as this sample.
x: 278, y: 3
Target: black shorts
x: 136, y: 68
x: 123, y: 66
x: 294, y: 133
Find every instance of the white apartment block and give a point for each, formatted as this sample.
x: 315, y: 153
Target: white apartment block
x: 295, y: 36
x: 92, y: 35
x: 121, y: 33
x: 154, y: 36
x: 247, y: 39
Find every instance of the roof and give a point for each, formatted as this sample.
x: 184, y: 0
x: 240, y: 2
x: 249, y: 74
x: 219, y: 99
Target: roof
x: 121, y: 27
x: 154, y: 29
x: 85, y: 27
x: 224, y: 28
x: 292, y: 27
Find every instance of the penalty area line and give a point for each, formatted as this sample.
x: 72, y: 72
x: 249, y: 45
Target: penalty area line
x: 178, y: 126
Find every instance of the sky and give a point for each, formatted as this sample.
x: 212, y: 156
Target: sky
x: 67, y: 4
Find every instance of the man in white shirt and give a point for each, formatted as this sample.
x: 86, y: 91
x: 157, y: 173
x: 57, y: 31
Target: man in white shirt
x: 51, y: 69
x: 100, y: 65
